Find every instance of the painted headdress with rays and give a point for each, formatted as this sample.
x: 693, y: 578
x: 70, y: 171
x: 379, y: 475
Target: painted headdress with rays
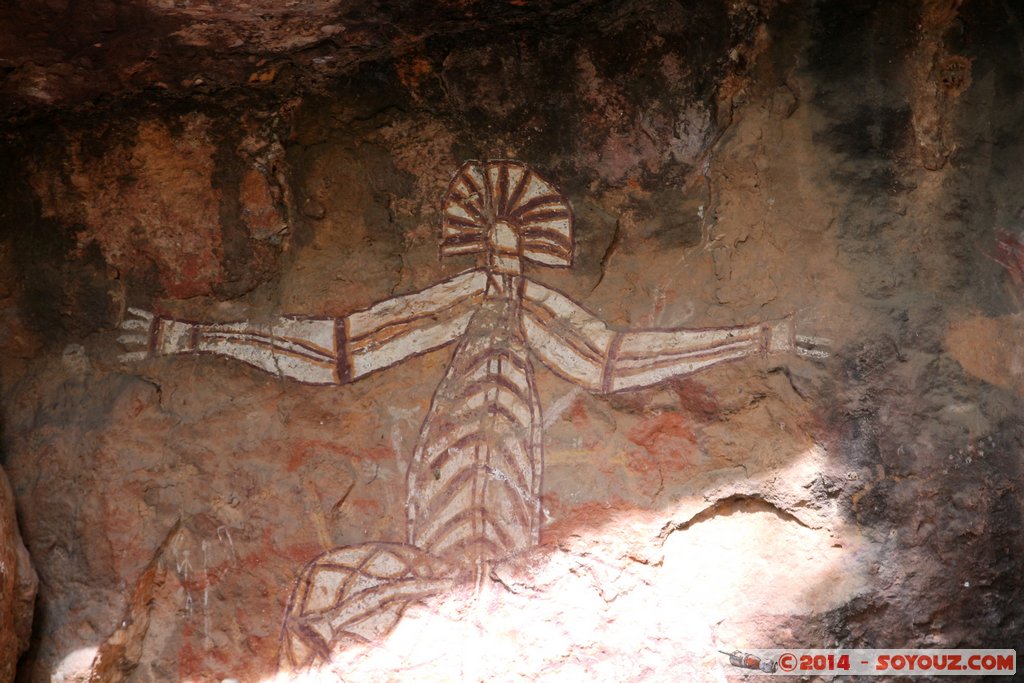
x: 507, y: 211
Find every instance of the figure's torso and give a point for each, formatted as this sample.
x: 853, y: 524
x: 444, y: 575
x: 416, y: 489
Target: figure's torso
x: 474, y: 480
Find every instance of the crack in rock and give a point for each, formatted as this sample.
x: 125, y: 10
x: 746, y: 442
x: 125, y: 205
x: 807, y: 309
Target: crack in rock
x: 727, y: 506
x: 120, y: 653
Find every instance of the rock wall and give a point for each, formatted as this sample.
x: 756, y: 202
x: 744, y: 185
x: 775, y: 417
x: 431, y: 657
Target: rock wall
x: 19, y: 582
x: 846, y: 170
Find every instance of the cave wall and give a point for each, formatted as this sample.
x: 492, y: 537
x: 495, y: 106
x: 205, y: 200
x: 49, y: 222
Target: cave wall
x: 850, y: 166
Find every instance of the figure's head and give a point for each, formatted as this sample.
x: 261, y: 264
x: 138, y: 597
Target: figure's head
x: 505, y: 210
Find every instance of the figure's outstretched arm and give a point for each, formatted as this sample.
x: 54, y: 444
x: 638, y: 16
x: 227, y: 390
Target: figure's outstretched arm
x: 303, y: 349
x: 579, y: 346
x: 319, y: 350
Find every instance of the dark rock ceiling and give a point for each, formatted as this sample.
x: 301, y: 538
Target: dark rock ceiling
x: 74, y: 55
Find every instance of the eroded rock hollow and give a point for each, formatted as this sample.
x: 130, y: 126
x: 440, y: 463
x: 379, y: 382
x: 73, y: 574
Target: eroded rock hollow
x: 506, y: 341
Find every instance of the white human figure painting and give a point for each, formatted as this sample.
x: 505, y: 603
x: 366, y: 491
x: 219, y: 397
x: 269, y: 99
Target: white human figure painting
x: 474, y: 479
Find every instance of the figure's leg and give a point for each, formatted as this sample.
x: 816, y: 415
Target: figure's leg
x: 355, y: 594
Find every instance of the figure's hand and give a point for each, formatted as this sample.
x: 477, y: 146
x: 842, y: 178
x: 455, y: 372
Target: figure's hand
x: 137, y: 329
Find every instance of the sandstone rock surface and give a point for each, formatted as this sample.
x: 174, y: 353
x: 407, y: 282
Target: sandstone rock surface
x: 18, y: 584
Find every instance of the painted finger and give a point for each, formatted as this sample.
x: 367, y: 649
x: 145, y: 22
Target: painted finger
x: 145, y: 315
x: 132, y: 324
x: 132, y: 339
x: 132, y: 356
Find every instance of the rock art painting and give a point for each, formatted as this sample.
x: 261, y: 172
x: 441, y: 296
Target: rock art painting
x: 474, y: 479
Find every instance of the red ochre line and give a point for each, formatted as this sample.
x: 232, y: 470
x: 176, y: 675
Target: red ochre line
x: 475, y: 438
x: 457, y: 197
x: 719, y: 344
x: 411, y: 557
x: 468, y: 180
x: 355, y: 568
x: 486, y: 549
x: 517, y: 460
x: 442, y: 499
x: 524, y: 180
x: 436, y: 505
x: 606, y: 370
x: 452, y: 239
x: 462, y: 240
x: 492, y: 380
x: 533, y: 231
x: 645, y: 362
x: 367, y: 594
x: 513, y: 467
x: 212, y: 331
x: 324, y: 361
x: 506, y: 370
x: 469, y: 205
x: 400, y: 327
x: 357, y: 572
x: 539, y: 215
x: 502, y: 189
x: 490, y: 409
x: 536, y: 202
x: 313, y: 640
x: 489, y: 354
x: 667, y: 361
x: 461, y: 222
x: 535, y: 249
x: 566, y: 341
x: 439, y: 538
x: 534, y: 300
x: 463, y: 411
x: 702, y: 361
x: 340, y: 599
x: 477, y: 248
x: 478, y: 520
x: 504, y: 251
x: 531, y: 246
x: 487, y: 383
x: 463, y: 300
x: 439, y: 461
x: 378, y: 609
x: 342, y: 357
x: 449, y: 490
x: 563, y: 331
